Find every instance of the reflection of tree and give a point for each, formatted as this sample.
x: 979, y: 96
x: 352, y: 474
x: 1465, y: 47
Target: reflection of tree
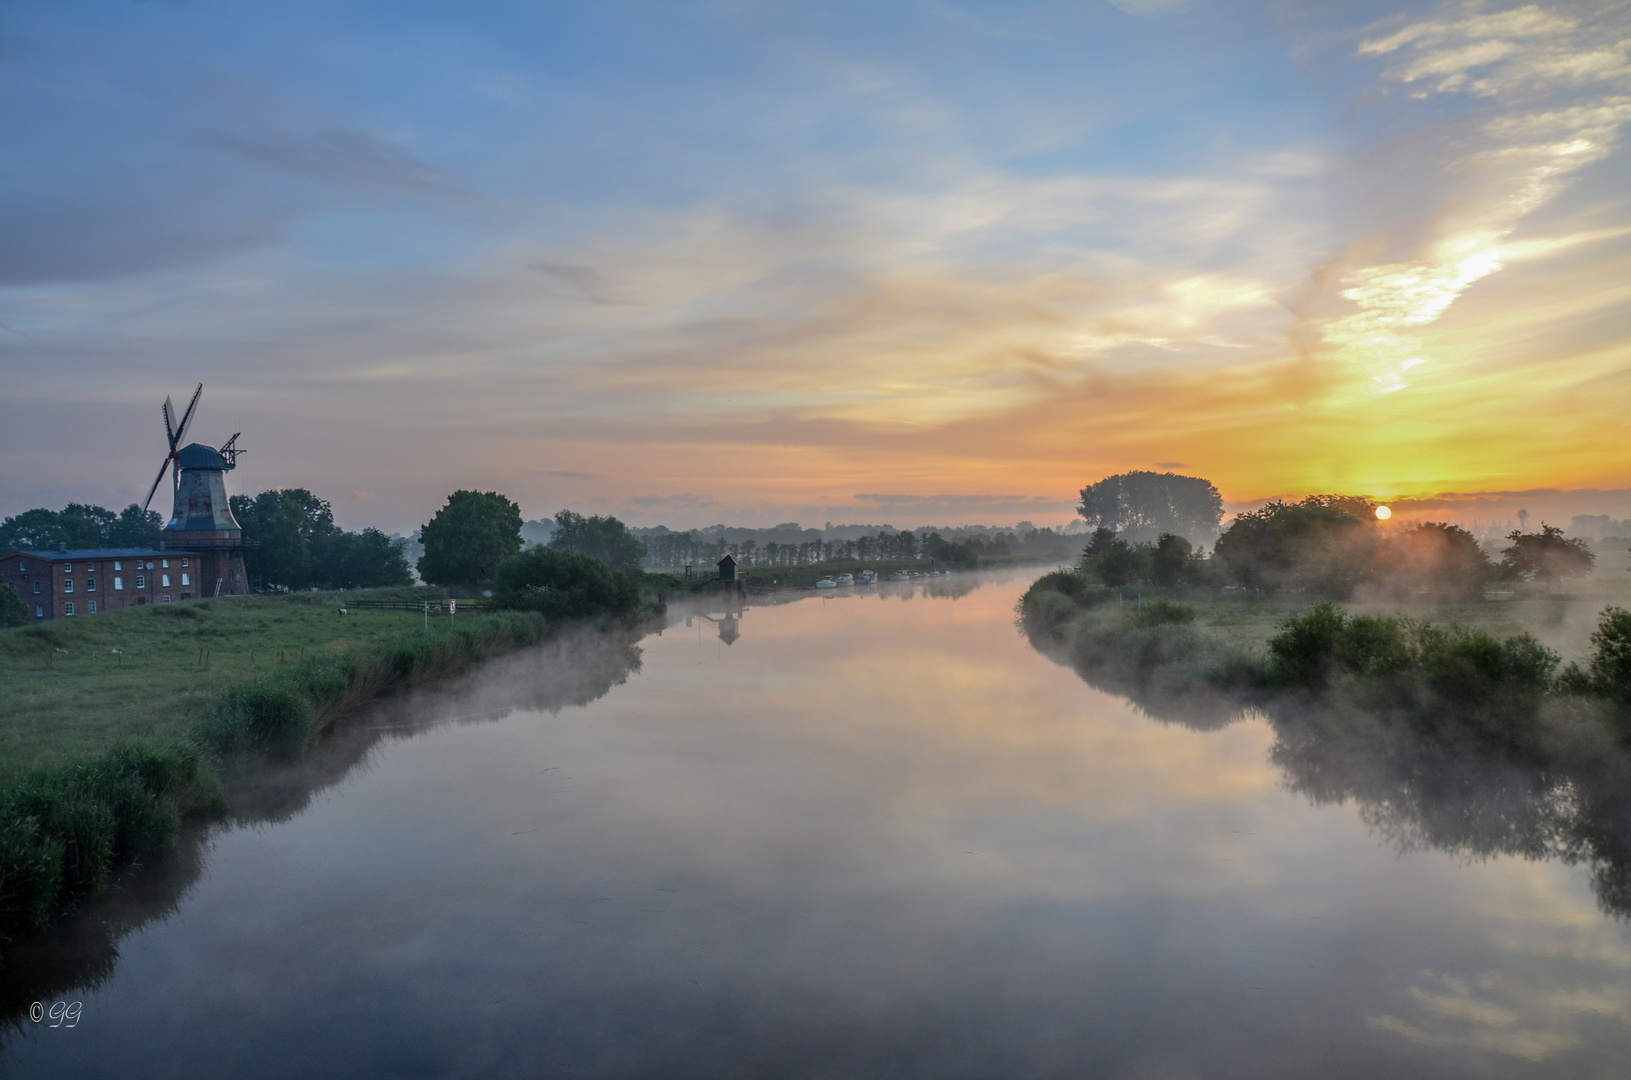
x: 81, y: 951
x: 1541, y: 779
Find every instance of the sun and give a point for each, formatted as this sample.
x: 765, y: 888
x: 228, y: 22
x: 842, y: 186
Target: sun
x: 1383, y: 513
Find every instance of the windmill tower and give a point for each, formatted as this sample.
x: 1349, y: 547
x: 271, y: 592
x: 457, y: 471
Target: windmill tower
x: 201, y: 524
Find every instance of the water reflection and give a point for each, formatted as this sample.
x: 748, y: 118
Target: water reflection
x: 80, y: 952
x: 1450, y: 780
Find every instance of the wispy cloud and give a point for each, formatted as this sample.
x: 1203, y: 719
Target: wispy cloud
x: 335, y: 155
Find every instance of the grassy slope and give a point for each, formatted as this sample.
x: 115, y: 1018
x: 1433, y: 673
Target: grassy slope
x: 59, y: 707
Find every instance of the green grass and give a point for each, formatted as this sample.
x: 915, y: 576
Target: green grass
x: 67, y: 696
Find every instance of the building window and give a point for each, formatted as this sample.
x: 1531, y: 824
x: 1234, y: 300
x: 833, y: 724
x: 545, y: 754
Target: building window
x: 186, y: 579
x: 90, y: 608
x: 183, y: 562
x: 22, y: 567
x: 90, y: 568
x: 39, y: 611
x: 141, y: 581
x: 117, y: 565
x: 36, y: 588
x: 164, y: 581
x: 68, y: 585
x: 90, y: 584
x: 67, y: 568
x: 118, y: 582
x: 68, y: 608
x: 164, y: 599
x: 166, y: 563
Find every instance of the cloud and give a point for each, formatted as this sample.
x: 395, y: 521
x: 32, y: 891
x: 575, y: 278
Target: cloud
x: 1506, y: 164
x: 335, y: 155
x: 585, y: 281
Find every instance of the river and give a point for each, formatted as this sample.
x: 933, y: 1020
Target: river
x: 871, y: 835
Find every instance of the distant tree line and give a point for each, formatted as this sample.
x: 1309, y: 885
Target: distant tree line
x: 686, y: 549
x: 1330, y: 546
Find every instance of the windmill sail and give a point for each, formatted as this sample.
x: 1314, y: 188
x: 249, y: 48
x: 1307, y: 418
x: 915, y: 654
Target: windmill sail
x: 174, y: 433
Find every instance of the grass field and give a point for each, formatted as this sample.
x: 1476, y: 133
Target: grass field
x: 67, y: 694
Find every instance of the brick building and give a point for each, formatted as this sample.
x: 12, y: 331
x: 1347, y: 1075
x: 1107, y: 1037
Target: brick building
x: 61, y: 583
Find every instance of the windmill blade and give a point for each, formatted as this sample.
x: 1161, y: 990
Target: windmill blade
x: 170, y: 423
x: 187, y: 417
x: 157, y: 480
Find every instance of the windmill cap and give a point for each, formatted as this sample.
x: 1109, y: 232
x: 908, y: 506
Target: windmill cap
x: 199, y: 456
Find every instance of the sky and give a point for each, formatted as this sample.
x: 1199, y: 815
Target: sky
x: 906, y: 262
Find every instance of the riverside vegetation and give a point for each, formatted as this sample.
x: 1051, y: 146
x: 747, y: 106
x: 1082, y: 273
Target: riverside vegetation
x: 1449, y: 736
x: 116, y: 729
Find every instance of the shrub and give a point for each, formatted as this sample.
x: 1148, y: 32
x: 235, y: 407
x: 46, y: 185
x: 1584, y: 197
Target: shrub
x: 1163, y: 612
x: 268, y: 716
x: 1610, y: 669
x: 565, y: 585
x: 1303, y: 649
x: 63, y: 829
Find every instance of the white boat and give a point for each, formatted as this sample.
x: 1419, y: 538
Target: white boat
x: 867, y: 577
x: 826, y: 583
x: 900, y: 575
x: 845, y: 579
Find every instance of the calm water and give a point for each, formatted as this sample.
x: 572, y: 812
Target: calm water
x: 846, y: 837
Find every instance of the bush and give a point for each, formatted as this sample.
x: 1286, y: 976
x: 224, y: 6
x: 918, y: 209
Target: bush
x: 565, y: 585
x: 1461, y: 665
x: 1610, y: 669
x: 1163, y: 613
x: 268, y: 716
x: 13, y: 612
x: 63, y: 829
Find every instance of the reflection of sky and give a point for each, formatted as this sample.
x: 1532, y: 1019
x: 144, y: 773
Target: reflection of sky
x: 763, y: 262
x: 872, y: 837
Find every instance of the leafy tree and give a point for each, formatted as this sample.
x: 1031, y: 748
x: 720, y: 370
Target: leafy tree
x: 136, y: 528
x: 1546, y: 556
x: 1170, y: 563
x: 365, y: 560
x: 603, y: 538
x: 80, y: 525
x: 1142, y: 505
x: 468, y: 538
x: 1433, y: 559
x: 13, y: 612
x: 1113, y: 560
x: 1323, y: 544
x: 564, y: 584
x: 293, y: 527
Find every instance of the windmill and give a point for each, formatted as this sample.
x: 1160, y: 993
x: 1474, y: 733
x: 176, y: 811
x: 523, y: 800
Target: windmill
x: 175, y: 433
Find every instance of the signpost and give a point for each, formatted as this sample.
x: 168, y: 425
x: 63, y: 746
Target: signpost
x: 452, y: 610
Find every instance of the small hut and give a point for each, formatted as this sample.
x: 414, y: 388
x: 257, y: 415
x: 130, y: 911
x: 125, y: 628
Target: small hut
x: 727, y: 568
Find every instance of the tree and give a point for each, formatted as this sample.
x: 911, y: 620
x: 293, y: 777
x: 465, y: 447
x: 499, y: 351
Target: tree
x: 564, y: 584
x: 293, y: 527
x: 1433, y: 559
x: 1323, y: 544
x: 603, y: 538
x: 1143, y: 505
x: 136, y: 528
x: 469, y: 537
x: 1170, y: 562
x: 1546, y: 556
x: 1113, y: 560
x: 13, y: 612
x: 365, y: 560
x: 81, y: 525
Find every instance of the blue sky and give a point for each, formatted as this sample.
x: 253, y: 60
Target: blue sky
x: 751, y: 261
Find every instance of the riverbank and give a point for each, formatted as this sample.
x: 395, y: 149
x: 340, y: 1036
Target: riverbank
x: 118, y: 724
x: 1175, y: 650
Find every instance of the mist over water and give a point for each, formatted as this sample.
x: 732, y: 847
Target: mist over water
x: 868, y: 835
